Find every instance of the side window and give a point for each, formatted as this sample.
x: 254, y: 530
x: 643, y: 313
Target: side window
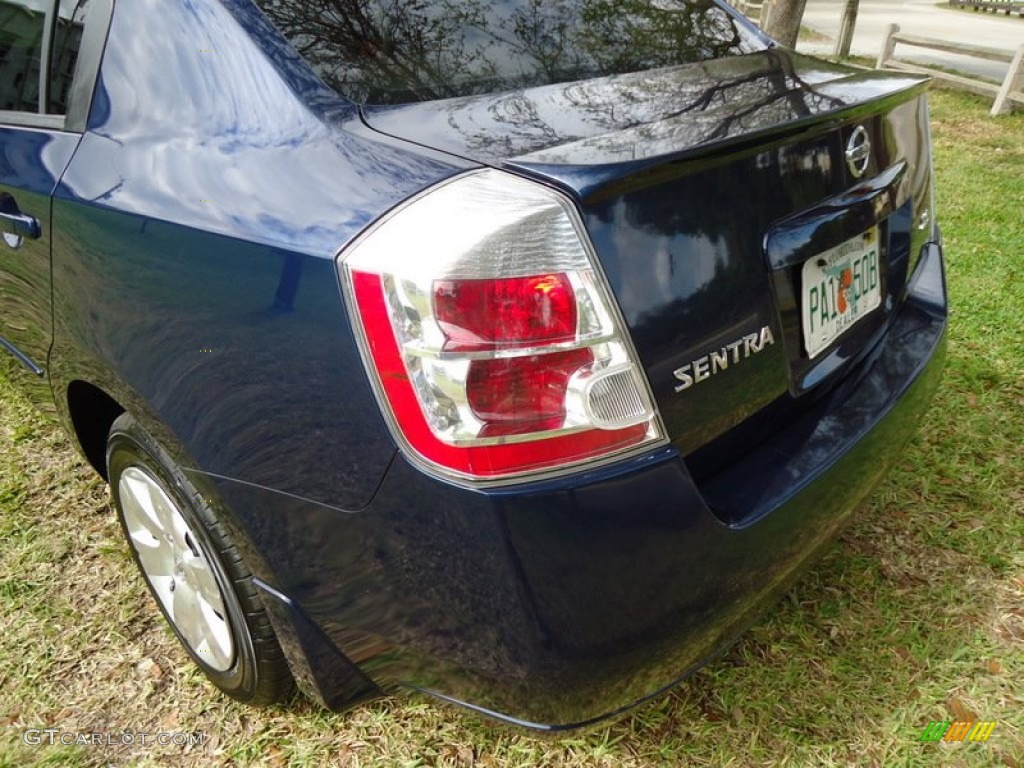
x: 67, y: 41
x: 21, y: 45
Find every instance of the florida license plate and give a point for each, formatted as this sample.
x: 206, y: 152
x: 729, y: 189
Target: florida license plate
x: 840, y: 287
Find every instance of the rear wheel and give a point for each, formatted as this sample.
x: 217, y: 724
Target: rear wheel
x: 193, y: 569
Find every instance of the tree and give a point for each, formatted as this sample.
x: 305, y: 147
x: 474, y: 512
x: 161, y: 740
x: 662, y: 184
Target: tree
x: 784, y: 20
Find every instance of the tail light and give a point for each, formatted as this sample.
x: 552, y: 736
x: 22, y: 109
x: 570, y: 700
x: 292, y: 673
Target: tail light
x: 490, y: 336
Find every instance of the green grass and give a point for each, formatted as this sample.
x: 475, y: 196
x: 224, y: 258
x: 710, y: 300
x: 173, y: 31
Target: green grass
x: 916, y: 614
x: 809, y: 35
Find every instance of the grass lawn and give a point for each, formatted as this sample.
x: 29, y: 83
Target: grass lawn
x: 915, y: 615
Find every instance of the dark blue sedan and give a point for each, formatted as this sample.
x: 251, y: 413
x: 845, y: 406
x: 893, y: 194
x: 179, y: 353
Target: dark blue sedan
x: 518, y: 353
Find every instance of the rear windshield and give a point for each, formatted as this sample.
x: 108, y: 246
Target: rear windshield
x: 399, y: 51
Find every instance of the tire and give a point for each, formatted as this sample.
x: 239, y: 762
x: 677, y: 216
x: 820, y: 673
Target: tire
x: 193, y: 569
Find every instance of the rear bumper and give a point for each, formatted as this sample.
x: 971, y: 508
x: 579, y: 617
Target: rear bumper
x: 560, y: 603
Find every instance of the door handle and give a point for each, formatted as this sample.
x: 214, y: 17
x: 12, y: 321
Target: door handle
x: 21, y: 225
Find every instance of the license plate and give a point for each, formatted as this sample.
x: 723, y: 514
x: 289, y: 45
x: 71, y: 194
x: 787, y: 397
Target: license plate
x: 840, y: 287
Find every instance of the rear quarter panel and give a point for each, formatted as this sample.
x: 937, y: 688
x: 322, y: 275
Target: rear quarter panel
x: 193, y: 270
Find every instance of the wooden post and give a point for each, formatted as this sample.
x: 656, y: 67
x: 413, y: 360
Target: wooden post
x: 888, y: 45
x: 1014, y: 82
x: 765, y: 15
x: 846, y: 29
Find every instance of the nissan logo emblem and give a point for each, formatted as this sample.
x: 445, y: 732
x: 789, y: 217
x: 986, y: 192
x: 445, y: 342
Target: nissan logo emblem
x: 858, y: 151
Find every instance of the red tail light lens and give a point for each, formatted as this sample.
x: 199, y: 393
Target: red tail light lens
x: 505, y: 312
x: 518, y: 395
x: 490, y: 336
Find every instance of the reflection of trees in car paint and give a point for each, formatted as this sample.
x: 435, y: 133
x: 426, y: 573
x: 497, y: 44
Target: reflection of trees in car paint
x: 642, y: 116
x: 389, y: 52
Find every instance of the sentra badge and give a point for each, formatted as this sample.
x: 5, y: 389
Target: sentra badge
x: 705, y: 367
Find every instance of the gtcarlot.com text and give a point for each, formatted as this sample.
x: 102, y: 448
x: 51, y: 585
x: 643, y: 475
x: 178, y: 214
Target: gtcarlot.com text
x: 55, y: 736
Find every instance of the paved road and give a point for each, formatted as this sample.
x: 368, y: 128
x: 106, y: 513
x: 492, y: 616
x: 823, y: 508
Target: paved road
x: 917, y: 17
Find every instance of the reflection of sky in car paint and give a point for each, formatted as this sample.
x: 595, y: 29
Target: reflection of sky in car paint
x: 185, y: 126
x: 683, y: 264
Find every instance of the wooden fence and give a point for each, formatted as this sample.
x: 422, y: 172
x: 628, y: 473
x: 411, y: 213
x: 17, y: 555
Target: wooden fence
x: 757, y: 11
x: 996, y: 6
x: 1011, y: 91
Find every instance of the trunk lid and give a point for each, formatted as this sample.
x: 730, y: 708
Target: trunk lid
x: 705, y: 189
